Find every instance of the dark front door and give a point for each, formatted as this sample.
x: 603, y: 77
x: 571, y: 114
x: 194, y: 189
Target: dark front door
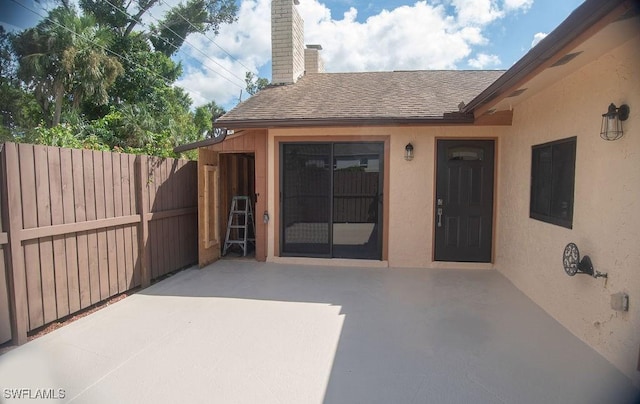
x: 464, y: 200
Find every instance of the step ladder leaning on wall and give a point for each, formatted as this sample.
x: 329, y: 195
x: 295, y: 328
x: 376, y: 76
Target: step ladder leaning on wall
x: 240, y: 218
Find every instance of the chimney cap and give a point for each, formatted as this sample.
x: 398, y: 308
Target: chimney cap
x: 318, y: 47
x: 296, y: 2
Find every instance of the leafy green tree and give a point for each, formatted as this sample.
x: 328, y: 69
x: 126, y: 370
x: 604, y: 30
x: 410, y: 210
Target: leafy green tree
x: 203, y: 121
x: 254, y: 83
x: 63, y: 59
x: 101, y: 79
x: 169, y: 33
x: 18, y: 108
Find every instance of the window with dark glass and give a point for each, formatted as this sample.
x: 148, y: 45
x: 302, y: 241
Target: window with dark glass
x: 552, y: 182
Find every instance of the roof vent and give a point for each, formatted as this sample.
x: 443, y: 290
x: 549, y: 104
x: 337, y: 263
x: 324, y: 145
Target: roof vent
x: 566, y: 59
x: 517, y: 93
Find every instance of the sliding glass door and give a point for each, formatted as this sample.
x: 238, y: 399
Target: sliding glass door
x: 331, y: 199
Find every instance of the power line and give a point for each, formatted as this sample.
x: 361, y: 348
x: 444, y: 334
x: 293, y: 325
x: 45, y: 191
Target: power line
x: 211, y: 40
x: 174, y: 46
x: 197, y: 49
x: 100, y: 46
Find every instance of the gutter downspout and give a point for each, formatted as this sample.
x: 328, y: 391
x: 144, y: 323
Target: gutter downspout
x: 203, y: 143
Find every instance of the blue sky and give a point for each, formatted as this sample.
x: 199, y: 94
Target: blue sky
x: 356, y: 35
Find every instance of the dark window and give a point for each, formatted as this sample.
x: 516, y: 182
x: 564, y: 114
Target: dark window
x: 552, y: 182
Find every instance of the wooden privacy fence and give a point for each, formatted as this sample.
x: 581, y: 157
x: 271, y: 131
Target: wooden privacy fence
x: 80, y: 226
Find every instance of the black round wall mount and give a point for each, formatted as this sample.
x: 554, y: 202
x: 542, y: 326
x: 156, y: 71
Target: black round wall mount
x: 571, y: 259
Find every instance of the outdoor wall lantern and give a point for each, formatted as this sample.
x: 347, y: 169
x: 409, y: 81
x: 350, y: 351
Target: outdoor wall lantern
x: 612, y: 122
x: 408, y: 152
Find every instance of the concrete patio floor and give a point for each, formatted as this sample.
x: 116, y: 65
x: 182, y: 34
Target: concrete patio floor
x: 245, y: 332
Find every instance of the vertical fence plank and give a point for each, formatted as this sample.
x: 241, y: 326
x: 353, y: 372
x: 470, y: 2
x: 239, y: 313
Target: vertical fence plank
x: 57, y: 217
x: 5, y: 276
x: 194, y: 218
x: 166, y: 223
x: 152, y: 206
x: 112, y: 258
x: 31, y: 250
x: 182, y: 195
x: 118, y: 208
x: 5, y: 310
x: 156, y: 206
x: 92, y: 236
x: 103, y: 258
x: 135, y: 209
x: 126, y: 210
x: 142, y: 167
x: 12, y: 211
x: 175, y: 221
x: 46, y: 243
x: 70, y: 240
x: 80, y: 212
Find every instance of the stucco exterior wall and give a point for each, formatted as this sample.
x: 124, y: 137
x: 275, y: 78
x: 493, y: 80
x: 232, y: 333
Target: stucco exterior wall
x: 606, y: 222
x: 411, y: 186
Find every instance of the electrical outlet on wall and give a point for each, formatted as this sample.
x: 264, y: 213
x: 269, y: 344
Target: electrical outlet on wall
x: 620, y: 301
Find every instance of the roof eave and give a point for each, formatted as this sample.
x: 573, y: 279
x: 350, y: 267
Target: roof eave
x: 570, y: 31
x: 452, y: 118
x: 448, y: 118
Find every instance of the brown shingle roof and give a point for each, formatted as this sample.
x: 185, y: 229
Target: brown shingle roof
x: 362, y: 97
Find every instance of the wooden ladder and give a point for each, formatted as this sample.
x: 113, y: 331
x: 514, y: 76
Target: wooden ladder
x: 240, y: 215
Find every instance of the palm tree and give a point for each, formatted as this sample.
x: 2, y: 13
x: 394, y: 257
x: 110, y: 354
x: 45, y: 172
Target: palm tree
x: 65, y: 59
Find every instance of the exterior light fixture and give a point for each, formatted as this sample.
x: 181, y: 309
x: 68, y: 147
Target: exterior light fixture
x: 408, y: 152
x: 611, y: 128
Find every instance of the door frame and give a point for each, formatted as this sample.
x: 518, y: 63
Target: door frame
x: 279, y: 139
x: 249, y: 141
x: 496, y: 147
x: 331, y: 198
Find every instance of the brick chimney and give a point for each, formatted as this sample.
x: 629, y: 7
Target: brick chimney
x: 287, y: 42
x: 313, y: 62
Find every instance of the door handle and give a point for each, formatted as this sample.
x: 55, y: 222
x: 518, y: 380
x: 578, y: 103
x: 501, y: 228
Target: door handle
x: 439, y: 217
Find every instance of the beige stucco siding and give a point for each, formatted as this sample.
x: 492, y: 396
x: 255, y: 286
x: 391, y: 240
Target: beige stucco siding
x: 411, y: 185
x: 606, y: 222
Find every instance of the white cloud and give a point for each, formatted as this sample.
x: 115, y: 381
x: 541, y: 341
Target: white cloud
x: 483, y: 61
x: 425, y: 35
x: 537, y: 38
x: 477, y: 12
x: 239, y: 47
x: 523, y: 5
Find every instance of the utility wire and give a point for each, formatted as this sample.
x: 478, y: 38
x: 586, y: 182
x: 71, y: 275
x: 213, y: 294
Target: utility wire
x: 172, y: 45
x: 101, y: 46
x: 211, y: 40
x: 199, y: 50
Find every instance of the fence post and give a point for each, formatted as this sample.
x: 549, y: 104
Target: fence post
x: 12, y: 211
x: 142, y: 195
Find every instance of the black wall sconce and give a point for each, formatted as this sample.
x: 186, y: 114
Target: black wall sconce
x: 611, y: 128
x: 408, y: 152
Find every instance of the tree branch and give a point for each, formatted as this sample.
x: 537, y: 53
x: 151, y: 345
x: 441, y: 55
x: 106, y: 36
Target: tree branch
x: 137, y: 17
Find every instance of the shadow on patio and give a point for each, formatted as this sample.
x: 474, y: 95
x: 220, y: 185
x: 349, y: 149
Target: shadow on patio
x: 241, y: 331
